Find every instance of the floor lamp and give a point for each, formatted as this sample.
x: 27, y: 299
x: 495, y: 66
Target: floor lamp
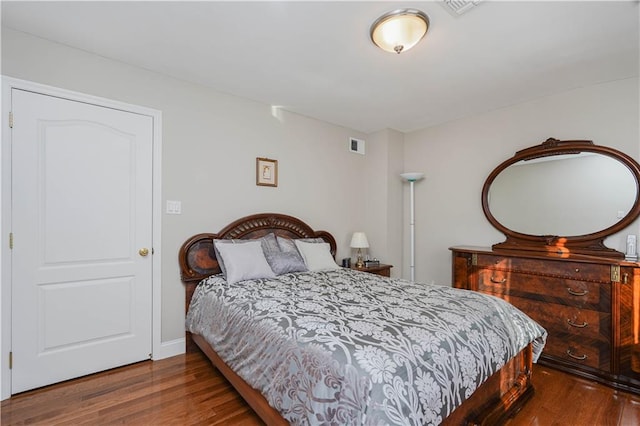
x: 412, y: 177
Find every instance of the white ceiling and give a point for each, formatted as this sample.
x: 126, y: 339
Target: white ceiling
x: 316, y: 58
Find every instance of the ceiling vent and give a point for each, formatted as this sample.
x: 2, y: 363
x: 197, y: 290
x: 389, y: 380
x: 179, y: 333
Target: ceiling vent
x: 458, y: 7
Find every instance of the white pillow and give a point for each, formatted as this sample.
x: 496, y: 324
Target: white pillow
x: 216, y: 244
x: 244, y: 261
x: 317, y: 256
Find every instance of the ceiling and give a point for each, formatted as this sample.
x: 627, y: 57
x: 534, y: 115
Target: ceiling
x: 316, y: 58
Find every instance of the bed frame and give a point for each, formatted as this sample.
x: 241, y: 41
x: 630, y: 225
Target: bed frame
x: 501, y: 396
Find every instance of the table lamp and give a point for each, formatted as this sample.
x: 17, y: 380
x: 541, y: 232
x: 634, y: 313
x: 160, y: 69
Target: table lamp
x: 359, y: 241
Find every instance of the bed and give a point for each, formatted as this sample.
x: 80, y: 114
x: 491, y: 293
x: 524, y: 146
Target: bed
x: 325, y: 339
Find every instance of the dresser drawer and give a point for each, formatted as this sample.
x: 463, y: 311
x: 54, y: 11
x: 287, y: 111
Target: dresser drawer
x: 581, y: 352
x: 580, y: 294
x: 558, y: 269
x: 566, y: 320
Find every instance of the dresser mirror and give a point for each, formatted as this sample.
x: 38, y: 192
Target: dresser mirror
x: 563, y: 197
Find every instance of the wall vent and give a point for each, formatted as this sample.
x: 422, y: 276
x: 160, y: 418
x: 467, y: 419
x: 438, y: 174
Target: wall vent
x: 458, y: 7
x: 356, y: 145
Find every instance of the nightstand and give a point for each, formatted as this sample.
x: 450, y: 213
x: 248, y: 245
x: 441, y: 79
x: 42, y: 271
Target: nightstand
x: 384, y: 270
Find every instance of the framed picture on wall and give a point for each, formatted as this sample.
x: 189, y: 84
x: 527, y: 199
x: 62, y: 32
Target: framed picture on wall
x: 266, y: 172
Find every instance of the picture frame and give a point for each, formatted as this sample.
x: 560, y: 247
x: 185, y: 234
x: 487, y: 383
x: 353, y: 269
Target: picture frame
x: 266, y: 172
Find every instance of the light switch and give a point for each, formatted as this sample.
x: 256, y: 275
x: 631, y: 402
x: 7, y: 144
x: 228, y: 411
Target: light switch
x: 174, y: 207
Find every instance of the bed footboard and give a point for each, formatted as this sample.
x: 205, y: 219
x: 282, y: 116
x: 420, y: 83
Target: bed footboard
x: 491, y: 404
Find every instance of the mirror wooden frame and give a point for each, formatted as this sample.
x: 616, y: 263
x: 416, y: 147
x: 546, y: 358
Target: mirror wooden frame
x: 563, y: 245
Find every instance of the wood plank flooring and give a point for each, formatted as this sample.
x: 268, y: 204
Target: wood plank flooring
x: 187, y: 390
x: 562, y: 399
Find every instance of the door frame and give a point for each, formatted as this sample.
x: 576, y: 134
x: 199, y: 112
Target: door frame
x: 9, y: 83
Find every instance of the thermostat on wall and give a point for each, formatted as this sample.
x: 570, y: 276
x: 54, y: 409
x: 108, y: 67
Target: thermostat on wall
x: 356, y: 145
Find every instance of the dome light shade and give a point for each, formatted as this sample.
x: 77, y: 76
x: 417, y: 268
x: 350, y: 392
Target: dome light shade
x: 399, y: 30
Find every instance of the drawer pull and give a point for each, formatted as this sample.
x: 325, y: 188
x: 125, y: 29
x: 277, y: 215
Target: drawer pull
x: 573, y: 324
x: 577, y: 293
x: 578, y: 357
x: 497, y: 281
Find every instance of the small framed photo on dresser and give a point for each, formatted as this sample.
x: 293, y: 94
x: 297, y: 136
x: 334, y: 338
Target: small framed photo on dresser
x: 266, y: 172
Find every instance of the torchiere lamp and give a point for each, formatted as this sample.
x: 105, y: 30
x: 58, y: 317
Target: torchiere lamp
x: 412, y: 177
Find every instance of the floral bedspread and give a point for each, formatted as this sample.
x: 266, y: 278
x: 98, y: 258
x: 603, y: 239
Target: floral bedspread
x: 347, y: 347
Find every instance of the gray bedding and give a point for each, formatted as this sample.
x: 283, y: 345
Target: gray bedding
x: 351, y: 348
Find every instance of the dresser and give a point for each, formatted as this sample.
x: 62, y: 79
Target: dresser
x: 589, y: 305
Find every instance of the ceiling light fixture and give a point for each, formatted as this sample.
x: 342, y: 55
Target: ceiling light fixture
x: 399, y: 30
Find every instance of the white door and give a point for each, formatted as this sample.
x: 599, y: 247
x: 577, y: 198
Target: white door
x: 82, y: 218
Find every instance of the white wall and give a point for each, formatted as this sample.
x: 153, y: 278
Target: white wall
x: 458, y: 156
x: 383, y: 187
x: 210, y: 144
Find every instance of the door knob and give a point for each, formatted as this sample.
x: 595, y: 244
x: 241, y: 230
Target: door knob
x: 143, y: 251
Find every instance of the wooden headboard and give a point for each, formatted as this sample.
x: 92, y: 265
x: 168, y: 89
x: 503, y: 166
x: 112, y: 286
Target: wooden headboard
x: 197, y: 259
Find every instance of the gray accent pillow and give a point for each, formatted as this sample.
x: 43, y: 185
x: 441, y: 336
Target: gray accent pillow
x: 270, y: 243
x: 288, y: 245
x: 243, y: 261
x: 281, y: 262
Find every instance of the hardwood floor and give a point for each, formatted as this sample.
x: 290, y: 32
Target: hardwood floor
x: 182, y: 390
x: 187, y: 390
x: 562, y: 399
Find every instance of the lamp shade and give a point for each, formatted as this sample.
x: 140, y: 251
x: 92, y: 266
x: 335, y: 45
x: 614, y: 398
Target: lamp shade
x: 412, y: 176
x: 359, y: 240
x: 399, y: 30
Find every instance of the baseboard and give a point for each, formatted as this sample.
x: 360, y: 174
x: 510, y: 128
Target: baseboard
x: 169, y: 349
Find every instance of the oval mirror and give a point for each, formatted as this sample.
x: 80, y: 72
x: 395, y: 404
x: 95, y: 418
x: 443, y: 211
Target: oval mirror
x: 563, y: 197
